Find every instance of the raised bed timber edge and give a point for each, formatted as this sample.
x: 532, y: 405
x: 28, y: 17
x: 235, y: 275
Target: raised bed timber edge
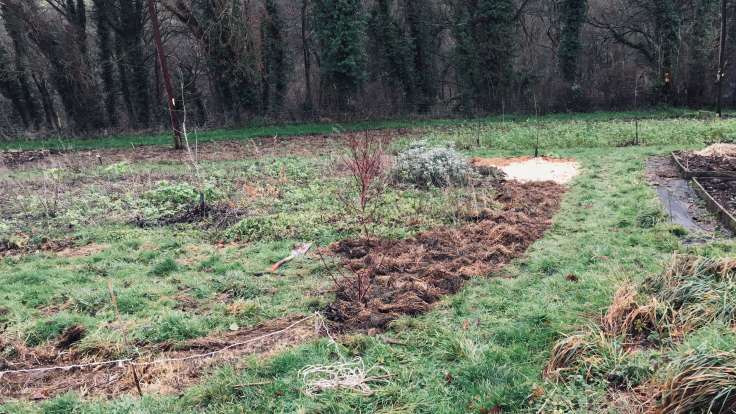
x: 688, y: 174
x: 724, y: 216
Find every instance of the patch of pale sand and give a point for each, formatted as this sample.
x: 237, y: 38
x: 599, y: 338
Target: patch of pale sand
x: 527, y: 169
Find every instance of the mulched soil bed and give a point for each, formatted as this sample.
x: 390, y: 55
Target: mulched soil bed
x: 723, y: 191
x: 698, y: 163
x: 390, y: 278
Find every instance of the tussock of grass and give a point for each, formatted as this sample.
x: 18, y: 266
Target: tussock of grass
x: 628, y: 319
x: 700, y: 382
x: 700, y: 290
x: 565, y: 355
x: 692, y: 294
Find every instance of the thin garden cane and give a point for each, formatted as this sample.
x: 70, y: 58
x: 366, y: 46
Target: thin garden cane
x: 114, y: 300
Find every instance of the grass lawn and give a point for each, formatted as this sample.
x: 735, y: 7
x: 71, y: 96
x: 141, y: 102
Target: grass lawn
x: 306, y: 129
x: 482, y: 348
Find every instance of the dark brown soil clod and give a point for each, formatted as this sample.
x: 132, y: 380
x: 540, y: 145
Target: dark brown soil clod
x: 405, y: 277
x: 70, y: 336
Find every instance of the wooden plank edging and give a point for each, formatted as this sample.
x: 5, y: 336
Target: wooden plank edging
x: 724, y: 216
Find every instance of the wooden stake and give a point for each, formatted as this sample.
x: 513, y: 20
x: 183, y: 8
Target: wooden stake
x: 137, y: 381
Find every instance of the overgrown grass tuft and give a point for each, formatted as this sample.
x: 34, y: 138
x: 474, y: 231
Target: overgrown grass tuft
x: 703, y: 381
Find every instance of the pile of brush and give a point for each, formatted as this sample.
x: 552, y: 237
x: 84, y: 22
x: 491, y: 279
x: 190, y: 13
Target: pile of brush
x: 640, y: 346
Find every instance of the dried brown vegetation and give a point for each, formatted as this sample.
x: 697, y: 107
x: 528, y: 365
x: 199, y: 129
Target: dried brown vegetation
x: 155, y: 378
x: 692, y: 292
x: 405, y: 277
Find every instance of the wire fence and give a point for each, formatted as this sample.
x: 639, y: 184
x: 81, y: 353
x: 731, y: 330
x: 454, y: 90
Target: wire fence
x: 135, y: 362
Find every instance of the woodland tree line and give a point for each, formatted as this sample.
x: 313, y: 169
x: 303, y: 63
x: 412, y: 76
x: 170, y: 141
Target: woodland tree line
x: 86, y: 66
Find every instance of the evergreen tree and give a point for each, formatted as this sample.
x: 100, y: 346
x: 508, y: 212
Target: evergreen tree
x: 64, y: 48
x: 274, y: 59
x: 26, y: 104
x: 699, y: 48
x: 484, y: 34
x: 572, y: 16
x: 667, y: 22
x: 135, y: 58
x: 105, y: 56
x: 391, y: 51
x: 339, y: 27
x: 10, y: 87
x: 420, y: 21
x: 230, y: 53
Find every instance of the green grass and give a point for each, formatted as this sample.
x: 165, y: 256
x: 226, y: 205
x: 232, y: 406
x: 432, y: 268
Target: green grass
x: 304, y: 129
x: 483, y: 347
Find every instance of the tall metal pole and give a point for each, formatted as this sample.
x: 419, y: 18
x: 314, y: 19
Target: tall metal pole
x: 721, y: 58
x: 166, y: 75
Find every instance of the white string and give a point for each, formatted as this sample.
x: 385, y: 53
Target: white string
x: 346, y: 374
x: 158, y: 361
x: 65, y: 367
x: 208, y: 354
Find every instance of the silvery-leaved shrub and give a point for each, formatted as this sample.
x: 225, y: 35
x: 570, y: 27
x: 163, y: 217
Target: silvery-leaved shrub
x: 425, y: 166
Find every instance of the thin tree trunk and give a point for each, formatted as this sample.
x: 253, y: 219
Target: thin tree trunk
x: 121, y: 59
x: 721, y: 58
x: 308, y: 103
x: 166, y: 75
x: 52, y: 119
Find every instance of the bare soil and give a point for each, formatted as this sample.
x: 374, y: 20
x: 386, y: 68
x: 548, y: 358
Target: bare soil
x: 158, y: 378
x: 64, y: 247
x: 210, y: 151
x: 82, y: 251
x: 723, y: 191
x: 701, y: 163
x: 14, y: 158
x: 405, y: 277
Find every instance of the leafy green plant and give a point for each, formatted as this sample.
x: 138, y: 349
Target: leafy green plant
x: 175, y: 194
x: 175, y: 326
x: 164, y: 267
x: 117, y: 169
